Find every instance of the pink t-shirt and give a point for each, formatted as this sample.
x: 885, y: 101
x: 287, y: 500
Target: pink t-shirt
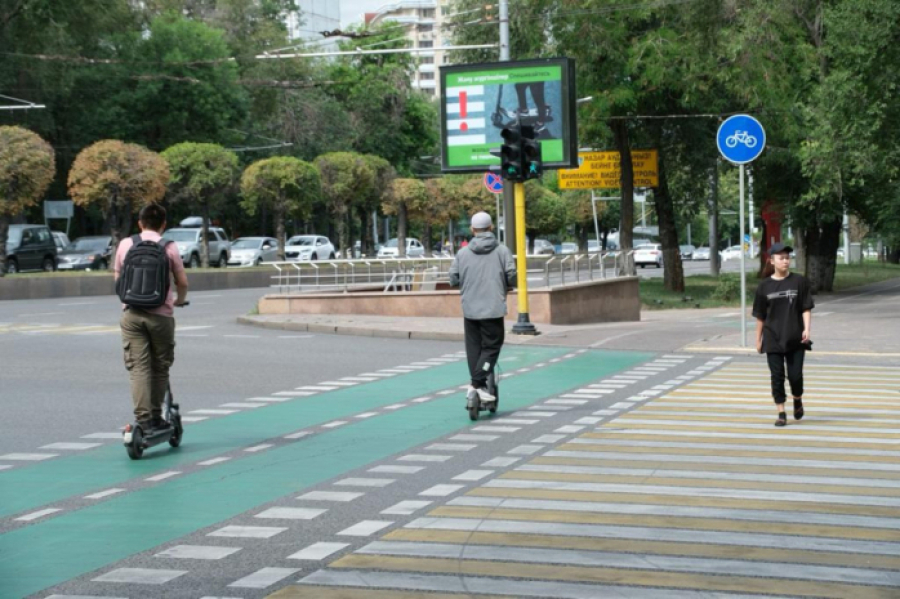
x: 176, y: 266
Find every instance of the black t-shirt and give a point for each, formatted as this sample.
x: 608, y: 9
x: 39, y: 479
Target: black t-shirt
x: 781, y: 305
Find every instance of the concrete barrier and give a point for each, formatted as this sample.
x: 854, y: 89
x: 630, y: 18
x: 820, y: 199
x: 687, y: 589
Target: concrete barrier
x: 14, y: 287
x: 609, y: 300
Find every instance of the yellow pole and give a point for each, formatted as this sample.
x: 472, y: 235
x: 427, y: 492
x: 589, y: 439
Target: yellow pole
x: 523, y: 326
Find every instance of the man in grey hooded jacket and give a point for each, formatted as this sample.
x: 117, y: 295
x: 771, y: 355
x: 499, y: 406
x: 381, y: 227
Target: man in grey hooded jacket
x: 484, y: 271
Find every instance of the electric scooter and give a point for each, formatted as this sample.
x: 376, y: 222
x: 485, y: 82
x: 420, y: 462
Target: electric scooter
x: 475, y: 406
x: 136, y: 439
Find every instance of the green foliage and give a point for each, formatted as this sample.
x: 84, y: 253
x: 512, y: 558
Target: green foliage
x: 27, y: 166
x: 120, y: 178
x: 199, y: 176
x: 286, y: 185
x: 545, y: 211
x: 346, y: 177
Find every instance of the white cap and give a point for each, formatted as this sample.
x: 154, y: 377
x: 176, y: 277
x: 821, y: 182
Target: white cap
x: 481, y: 220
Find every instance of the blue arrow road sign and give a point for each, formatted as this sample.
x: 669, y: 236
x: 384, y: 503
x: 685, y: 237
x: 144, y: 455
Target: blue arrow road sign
x: 741, y: 139
x: 493, y: 182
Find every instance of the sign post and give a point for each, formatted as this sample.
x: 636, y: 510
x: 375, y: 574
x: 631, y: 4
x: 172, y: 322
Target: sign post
x: 741, y: 139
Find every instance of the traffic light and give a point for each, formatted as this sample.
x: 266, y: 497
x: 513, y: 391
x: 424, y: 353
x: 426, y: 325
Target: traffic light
x: 531, y: 155
x: 511, y: 153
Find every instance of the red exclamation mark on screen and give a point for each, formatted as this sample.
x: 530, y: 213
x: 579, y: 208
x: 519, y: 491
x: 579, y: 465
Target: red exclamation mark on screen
x: 463, y: 110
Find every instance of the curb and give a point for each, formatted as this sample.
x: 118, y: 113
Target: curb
x: 351, y: 330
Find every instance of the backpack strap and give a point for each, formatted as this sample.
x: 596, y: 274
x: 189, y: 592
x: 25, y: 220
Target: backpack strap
x: 135, y: 239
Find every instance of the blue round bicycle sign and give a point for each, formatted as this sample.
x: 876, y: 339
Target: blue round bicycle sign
x: 741, y: 139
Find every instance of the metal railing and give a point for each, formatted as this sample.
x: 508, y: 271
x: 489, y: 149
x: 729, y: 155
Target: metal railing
x: 409, y: 274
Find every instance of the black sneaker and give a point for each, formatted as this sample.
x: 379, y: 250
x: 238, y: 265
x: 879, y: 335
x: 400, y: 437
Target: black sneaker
x: 160, y: 424
x: 782, y: 419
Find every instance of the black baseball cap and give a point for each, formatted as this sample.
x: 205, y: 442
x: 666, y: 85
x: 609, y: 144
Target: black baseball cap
x: 779, y: 248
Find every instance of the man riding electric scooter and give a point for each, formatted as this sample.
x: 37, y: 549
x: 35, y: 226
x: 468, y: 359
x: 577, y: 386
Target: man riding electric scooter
x: 145, y: 265
x: 485, y: 272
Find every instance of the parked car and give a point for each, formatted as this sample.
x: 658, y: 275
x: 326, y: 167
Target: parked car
x: 648, y: 254
x: 253, y: 251
x: 687, y: 251
x: 569, y: 248
x: 87, y: 253
x: 61, y: 239
x: 732, y: 253
x: 190, y: 239
x: 30, y: 247
x: 542, y: 247
x: 308, y: 247
x: 700, y: 253
x: 414, y: 248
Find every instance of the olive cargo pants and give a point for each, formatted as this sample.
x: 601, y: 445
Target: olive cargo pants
x: 148, y: 341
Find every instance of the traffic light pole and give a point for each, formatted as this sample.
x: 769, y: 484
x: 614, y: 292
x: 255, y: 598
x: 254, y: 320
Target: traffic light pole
x: 523, y: 326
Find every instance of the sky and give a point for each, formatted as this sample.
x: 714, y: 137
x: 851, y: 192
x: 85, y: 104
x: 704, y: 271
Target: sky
x: 352, y: 10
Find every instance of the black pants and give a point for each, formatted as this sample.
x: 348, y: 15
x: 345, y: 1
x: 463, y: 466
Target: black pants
x: 794, y: 361
x: 484, y: 339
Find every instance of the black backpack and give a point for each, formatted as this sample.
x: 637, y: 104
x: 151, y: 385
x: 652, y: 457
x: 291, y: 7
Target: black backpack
x: 144, y: 279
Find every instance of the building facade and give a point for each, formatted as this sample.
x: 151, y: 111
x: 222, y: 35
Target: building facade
x: 423, y: 21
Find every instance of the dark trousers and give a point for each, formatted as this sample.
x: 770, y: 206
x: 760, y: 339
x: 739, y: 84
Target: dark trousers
x: 794, y: 361
x: 484, y: 339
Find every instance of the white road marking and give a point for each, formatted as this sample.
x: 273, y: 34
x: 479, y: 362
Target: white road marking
x: 318, y: 551
x: 247, y: 532
x: 365, y: 482
x: 365, y: 528
x: 334, y: 424
x: 28, y: 457
x: 72, y: 446
x: 102, y: 494
x: 207, y: 552
x: 405, y: 508
x: 473, y: 475
x: 441, y: 490
x: 39, y: 514
x: 263, y: 578
x: 103, y: 436
x: 213, y: 461
x: 256, y: 448
x: 163, y: 476
x: 290, y: 513
x: 342, y: 496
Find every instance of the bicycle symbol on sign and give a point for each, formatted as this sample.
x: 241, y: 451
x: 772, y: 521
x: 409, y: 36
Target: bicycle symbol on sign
x: 743, y: 137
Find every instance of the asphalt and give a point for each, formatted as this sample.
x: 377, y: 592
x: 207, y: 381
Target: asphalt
x: 627, y: 459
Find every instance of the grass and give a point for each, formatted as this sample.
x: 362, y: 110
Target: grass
x: 701, y: 289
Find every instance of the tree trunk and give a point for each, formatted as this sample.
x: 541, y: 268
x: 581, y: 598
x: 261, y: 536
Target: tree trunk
x: 342, y: 230
x: 427, y: 239
x: 204, y: 238
x: 4, y: 231
x: 401, y: 230
x: 800, y: 249
x: 279, y: 232
x: 822, y: 243
x: 713, y: 209
x: 581, y: 231
x: 626, y: 230
x: 673, y: 272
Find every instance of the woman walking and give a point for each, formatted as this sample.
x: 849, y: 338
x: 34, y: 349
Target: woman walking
x: 783, y: 312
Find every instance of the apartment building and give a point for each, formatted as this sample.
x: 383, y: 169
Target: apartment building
x: 314, y: 17
x: 423, y: 21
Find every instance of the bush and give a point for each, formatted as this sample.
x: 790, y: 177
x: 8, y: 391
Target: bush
x: 728, y: 289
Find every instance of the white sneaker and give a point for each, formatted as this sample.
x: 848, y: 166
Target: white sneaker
x: 471, y: 392
x: 484, y: 396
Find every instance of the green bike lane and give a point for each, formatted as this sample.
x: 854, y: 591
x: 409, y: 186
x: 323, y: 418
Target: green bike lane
x: 31, y: 487
x: 70, y: 545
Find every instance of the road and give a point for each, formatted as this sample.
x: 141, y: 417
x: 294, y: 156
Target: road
x: 327, y: 467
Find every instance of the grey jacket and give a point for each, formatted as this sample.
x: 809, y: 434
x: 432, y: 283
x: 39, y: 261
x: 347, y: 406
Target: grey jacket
x: 484, y: 271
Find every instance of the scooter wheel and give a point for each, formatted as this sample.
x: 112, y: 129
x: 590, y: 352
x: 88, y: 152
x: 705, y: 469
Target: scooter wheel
x: 177, y: 433
x: 473, y: 412
x: 136, y: 448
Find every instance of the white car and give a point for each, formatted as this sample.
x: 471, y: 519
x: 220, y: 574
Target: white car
x: 253, y: 251
x: 732, y: 253
x: 542, y: 247
x: 648, y: 254
x: 569, y: 248
x: 414, y: 249
x: 301, y: 248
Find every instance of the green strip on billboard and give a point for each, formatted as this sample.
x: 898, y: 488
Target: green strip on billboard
x: 551, y: 150
x: 500, y: 76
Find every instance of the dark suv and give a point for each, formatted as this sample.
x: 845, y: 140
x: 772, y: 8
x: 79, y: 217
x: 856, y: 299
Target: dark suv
x: 30, y: 247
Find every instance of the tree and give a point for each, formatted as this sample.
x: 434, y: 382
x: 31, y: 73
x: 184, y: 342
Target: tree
x: 27, y: 167
x: 346, y: 177
x: 120, y: 178
x: 384, y: 175
x: 404, y: 196
x: 545, y: 212
x: 199, y: 175
x: 288, y: 186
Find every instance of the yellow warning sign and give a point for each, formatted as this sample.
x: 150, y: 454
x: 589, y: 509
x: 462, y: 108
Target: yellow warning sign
x: 600, y: 170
